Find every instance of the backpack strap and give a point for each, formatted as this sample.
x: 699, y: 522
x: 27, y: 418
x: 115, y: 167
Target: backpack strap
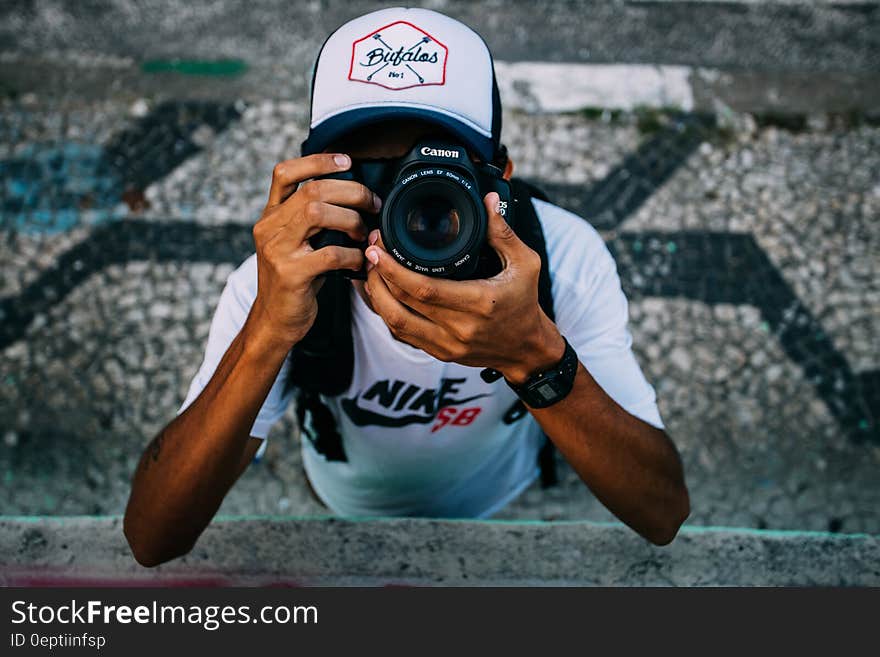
x: 320, y: 429
x: 528, y: 229
x: 322, y: 363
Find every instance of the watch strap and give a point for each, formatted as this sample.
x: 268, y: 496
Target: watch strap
x: 552, y: 385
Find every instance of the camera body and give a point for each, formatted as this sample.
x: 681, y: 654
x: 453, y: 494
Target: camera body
x: 433, y: 220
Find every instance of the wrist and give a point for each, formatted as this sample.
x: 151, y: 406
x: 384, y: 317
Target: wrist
x: 263, y: 342
x: 542, y: 350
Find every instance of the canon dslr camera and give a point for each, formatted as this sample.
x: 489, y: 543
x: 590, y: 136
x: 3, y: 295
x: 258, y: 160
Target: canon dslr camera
x: 433, y: 220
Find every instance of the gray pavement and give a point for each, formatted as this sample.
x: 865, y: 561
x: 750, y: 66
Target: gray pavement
x: 769, y: 56
x: 756, y: 36
x: 97, y: 373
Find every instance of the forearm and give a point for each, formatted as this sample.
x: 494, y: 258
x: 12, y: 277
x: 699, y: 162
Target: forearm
x: 631, y: 467
x: 186, y: 471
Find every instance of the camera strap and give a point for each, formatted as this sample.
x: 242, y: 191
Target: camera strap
x: 528, y: 229
x: 322, y: 362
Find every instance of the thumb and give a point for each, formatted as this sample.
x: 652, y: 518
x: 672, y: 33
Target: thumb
x: 500, y: 235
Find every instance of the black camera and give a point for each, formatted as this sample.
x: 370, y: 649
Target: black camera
x: 433, y: 220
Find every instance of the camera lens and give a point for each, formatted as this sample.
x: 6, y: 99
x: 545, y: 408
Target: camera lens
x: 433, y: 222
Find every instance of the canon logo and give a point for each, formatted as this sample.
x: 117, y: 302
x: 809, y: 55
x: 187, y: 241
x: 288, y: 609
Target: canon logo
x: 438, y: 152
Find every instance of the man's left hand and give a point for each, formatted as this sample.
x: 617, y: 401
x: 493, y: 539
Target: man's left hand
x: 495, y: 322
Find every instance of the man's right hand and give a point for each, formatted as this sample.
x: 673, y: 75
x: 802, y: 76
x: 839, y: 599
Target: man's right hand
x: 288, y: 268
x: 186, y: 471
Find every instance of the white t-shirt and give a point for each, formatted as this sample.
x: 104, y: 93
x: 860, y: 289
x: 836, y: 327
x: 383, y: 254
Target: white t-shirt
x: 426, y: 438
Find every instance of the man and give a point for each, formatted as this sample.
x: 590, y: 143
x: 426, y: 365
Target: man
x: 424, y: 434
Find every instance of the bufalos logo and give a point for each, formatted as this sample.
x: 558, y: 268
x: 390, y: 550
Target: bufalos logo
x: 398, y: 56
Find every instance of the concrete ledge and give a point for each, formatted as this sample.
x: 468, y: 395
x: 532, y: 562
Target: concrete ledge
x: 328, y: 551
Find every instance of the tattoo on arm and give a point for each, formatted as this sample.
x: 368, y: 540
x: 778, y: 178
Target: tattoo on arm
x: 153, y: 449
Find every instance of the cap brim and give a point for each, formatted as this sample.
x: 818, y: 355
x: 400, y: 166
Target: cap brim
x: 335, y: 127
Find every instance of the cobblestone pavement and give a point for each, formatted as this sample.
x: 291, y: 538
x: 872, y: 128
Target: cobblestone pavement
x: 748, y: 246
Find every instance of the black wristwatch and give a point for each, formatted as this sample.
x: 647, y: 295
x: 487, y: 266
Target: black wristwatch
x: 550, y: 386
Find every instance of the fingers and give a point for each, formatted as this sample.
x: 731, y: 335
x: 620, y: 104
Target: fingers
x: 443, y: 316
x: 320, y: 215
x: 347, y: 193
x: 501, y: 236
x: 328, y: 258
x: 426, y: 290
x: 288, y: 174
x: 401, y: 321
x: 320, y: 204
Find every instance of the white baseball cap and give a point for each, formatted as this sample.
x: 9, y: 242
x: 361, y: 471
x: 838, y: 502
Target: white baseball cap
x: 402, y: 63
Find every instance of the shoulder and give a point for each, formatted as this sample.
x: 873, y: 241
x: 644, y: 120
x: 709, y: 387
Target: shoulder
x: 576, y: 251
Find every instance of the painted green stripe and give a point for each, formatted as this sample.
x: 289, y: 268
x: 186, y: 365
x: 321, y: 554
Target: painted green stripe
x: 218, y: 67
x: 686, y: 529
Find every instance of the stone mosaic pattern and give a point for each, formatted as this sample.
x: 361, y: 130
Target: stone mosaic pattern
x: 810, y: 200
x: 748, y: 251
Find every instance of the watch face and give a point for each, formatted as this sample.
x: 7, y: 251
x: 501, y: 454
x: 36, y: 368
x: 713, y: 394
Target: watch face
x: 546, y: 391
